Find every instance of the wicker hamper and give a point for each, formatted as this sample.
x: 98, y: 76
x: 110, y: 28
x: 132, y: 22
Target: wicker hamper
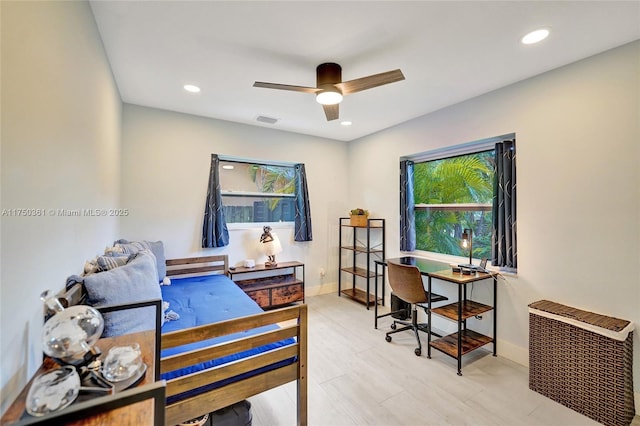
x: 582, y: 360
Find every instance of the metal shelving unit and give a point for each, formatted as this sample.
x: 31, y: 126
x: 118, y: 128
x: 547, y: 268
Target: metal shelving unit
x: 363, y: 242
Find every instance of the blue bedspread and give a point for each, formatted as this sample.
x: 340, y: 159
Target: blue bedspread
x: 205, y: 300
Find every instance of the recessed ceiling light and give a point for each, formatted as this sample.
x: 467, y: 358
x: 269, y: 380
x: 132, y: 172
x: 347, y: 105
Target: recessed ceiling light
x: 228, y: 167
x: 346, y: 123
x: 191, y: 88
x: 535, y: 36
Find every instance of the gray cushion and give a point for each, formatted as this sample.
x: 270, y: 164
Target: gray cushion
x: 106, y: 263
x: 157, y: 247
x: 134, y: 282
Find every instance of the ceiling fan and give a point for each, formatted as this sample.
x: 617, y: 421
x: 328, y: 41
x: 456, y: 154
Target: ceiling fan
x: 330, y: 88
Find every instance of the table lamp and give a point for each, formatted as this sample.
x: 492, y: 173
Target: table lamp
x: 270, y: 246
x: 467, y: 241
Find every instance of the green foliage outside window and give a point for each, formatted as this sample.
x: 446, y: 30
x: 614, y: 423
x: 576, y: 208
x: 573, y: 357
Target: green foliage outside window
x: 445, y: 183
x: 273, y: 180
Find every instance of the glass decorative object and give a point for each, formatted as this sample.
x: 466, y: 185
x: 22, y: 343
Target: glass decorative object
x: 53, y: 391
x: 122, y: 363
x: 70, y: 334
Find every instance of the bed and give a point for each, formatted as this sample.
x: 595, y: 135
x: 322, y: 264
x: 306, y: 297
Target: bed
x: 230, y: 353
x: 224, y: 348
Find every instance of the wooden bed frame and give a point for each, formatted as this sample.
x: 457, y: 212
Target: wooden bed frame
x: 294, y: 317
x: 237, y: 391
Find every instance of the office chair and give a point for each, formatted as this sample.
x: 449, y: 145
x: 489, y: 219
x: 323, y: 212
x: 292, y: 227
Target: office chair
x: 406, y: 284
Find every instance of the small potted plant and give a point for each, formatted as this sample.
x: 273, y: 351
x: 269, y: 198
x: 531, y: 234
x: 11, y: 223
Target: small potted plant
x: 358, y: 217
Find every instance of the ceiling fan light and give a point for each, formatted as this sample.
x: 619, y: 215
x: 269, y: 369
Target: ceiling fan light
x: 329, y: 97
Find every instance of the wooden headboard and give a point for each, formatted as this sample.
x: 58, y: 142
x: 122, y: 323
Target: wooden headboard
x: 198, y: 265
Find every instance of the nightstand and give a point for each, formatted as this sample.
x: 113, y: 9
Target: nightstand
x: 142, y: 404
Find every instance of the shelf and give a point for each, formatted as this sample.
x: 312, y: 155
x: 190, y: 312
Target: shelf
x: 362, y: 249
x: 261, y: 268
x: 368, y: 237
x: 469, y: 309
x: 361, y: 272
x: 470, y: 341
x: 360, y: 296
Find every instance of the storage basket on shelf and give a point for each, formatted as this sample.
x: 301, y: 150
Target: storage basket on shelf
x: 582, y: 360
x: 358, y: 220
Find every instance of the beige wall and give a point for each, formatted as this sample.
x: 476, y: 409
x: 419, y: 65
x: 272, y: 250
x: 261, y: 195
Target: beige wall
x: 165, y: 170
x: 61, y: 132
x: 578, y: 161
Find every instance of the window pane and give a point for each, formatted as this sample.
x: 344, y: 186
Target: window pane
x: 253, y: 192
x: 258, y: 209
x: 441, y: 231
x: 452, y: 194
x: 256, y: 178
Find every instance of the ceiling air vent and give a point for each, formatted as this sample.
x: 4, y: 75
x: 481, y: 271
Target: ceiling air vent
x: 268, y: 120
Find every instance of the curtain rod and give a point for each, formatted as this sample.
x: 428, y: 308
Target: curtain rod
x: 254, y: 161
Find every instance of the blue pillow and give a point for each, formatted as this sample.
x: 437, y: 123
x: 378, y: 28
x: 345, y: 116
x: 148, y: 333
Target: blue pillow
x: 134, y: 282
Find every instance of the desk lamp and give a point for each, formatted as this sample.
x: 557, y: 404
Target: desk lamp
x: 271, y: 246
x: 467, y: 241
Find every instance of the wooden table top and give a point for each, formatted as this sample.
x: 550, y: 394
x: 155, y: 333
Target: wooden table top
x: 260, y: 267
x: 140, y: 413
x: 460, y: 278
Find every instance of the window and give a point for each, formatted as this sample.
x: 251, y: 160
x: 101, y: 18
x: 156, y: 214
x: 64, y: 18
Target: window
x: 257, y: 192
x: 452, y: 194
x: 444, y: 192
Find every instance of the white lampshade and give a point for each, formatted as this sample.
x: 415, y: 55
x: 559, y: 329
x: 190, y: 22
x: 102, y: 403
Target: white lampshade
x: 271, y: 248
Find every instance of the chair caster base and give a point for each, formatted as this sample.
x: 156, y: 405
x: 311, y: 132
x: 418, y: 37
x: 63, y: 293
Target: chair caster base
x: 418, y: 351
x: 387, y: 338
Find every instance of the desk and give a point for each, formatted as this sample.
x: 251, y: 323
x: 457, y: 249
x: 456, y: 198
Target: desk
x: 139, y: 405
x: 464, y: 341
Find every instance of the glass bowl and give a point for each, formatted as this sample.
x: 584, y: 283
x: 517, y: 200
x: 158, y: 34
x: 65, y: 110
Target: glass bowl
x: 52, y: 391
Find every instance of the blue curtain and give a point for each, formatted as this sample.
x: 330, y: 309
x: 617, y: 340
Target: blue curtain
x: 214, y: 229
x: 407, y: 214
x: 504, y: 251
x: 302, y: 230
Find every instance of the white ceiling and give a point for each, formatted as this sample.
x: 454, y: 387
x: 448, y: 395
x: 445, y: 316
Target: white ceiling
x: 448, y: 51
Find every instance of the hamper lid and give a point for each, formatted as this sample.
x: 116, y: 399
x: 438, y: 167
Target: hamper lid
x: 612, y: 327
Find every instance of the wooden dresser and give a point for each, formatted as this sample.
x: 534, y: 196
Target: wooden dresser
x: 272, y: 286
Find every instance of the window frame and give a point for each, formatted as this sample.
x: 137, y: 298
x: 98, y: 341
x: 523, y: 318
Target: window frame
x: 451, y: 152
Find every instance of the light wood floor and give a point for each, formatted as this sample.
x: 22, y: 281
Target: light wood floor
x: 356, y: 378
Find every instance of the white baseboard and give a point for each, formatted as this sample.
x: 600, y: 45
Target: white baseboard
x: 512, y: 352
x: 323, y: 288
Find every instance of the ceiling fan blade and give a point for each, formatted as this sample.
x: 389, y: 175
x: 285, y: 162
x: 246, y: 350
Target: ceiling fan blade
x: 364, y: 83
x: 285, y: 87
x: 331, y: 111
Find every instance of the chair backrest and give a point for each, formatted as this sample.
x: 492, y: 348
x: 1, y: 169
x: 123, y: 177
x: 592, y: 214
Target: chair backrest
x: 406, y: 283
